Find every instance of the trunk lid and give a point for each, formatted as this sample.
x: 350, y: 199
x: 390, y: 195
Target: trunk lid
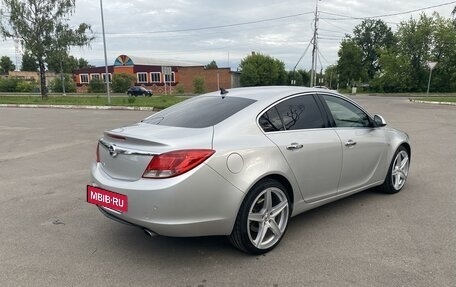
x: 124, y: 153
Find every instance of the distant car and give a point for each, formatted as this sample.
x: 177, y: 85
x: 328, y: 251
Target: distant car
x: 138, y: 91
x: 241, y: 162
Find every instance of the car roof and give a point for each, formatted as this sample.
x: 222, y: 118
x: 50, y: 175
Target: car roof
x: 268, y: 93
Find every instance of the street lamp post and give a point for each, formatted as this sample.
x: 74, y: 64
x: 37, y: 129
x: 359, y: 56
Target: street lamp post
x: 431, y: 66
x: 105, y: 56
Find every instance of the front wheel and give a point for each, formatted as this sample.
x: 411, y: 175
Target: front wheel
x: 398, y: 172
x: 262, y: 218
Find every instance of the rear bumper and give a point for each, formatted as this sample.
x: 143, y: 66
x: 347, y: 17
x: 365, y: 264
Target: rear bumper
x: 197, y: 203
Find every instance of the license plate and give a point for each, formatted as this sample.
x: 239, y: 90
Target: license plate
x: 106, y: 198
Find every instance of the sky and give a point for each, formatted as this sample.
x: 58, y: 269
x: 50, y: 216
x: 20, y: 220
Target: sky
x: 227, y: 31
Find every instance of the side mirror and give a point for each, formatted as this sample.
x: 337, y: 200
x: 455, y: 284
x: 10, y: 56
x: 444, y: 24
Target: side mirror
x: 379, y: 121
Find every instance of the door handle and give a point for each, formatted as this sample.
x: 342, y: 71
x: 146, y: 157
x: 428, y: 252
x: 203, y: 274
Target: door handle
x: 294, y: 146
x: 350, y: 143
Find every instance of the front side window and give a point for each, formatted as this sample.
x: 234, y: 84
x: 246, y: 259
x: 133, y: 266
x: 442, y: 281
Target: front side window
x: 346, y: 114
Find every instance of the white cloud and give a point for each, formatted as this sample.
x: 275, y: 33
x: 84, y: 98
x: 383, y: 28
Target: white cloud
x: 131, y: 28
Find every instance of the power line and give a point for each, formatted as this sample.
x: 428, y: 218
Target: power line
x: 218, y: 26
x: 302, y: 56
x: 346, y: 17
x: 341, y: 29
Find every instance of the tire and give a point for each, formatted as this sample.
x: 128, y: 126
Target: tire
x: 397, y: 172
x: 260, y: 226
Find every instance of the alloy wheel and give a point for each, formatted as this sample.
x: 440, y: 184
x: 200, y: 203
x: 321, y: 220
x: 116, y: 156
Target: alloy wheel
x: 267, y: 218
x: 400, y: 169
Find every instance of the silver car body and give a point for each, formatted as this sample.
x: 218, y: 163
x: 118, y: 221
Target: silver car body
x: 206, y: 200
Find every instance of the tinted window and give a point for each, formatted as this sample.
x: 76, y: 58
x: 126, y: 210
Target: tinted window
x: 200, y: 112
x: 346, y: 114
x: 270, y: 121
x: 300, y: 113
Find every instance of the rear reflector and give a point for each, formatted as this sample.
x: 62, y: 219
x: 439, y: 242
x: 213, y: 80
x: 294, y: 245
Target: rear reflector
x: 176, y: 162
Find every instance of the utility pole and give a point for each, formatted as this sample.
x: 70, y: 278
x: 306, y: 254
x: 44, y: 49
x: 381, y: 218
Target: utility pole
x: 105, y: 54
x: 313, y: 71
x: 431, y: 66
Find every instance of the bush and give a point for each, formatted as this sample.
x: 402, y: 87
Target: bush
x: 56, y: 84
x: 179, y: 89
x: 8, y: 85
x: 121, y: 82
x: 198, y: 85
x: 26, y: 86
x: 96, y: 86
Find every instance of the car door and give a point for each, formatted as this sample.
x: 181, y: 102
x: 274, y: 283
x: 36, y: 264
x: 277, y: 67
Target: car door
x: 297, y: 126
x: 363, y: 145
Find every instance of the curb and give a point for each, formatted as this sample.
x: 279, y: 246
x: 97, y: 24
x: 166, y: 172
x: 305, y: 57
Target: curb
x: 433, y: 103
x: 79, y: 107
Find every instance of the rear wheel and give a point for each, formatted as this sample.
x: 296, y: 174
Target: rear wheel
x: 398, y: 172
x: 262, y: 219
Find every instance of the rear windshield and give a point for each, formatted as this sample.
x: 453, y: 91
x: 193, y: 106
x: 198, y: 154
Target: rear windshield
x: 200, y: 112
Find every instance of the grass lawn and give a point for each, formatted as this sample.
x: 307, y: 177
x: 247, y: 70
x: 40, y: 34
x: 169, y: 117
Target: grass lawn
x: 159, y: 102
x: 437, y: 99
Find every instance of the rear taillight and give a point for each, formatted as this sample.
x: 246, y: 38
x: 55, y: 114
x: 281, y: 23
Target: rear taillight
x: 98, y: 152
x: 176, y: 162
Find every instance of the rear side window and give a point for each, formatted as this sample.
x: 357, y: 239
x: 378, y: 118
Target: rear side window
x: 200, y: 112
x: 296, y: 113
x: 270, y: 121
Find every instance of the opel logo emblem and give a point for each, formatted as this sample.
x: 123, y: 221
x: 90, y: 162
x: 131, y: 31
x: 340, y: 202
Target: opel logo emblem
x: 112, y: 150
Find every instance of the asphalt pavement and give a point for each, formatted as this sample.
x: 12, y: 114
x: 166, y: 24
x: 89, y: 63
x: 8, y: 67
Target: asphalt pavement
x: 50, y: 235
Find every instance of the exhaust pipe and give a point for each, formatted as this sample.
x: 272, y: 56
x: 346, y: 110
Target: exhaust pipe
x: 149, y: 233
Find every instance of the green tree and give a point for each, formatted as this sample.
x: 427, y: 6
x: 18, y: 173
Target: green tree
x: 395, y: 76
x: 6, y: 65
x: 97, y: 86
x: 371, y: 36
x: 29, y: 63
x: 296, y: 77
x: 62, y: 62
x: 83, y: 63
x: 198, y: 85
x: 415, y: 39
x: 350, y: 66
x: 444, y: 53
x: 331, y: 76
x: 403, y: 67
x: 262, y: 70
x: 305, y: 75
x: 211, y: 65
x: 70, y: 86
x: 40, y: 27
x: 302, y: 77
x: 121, y: 82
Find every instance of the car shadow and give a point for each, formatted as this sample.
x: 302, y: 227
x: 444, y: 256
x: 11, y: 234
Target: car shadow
x: 133, y: 242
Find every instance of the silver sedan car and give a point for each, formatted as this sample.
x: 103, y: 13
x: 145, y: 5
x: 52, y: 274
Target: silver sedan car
x: 241, y: 162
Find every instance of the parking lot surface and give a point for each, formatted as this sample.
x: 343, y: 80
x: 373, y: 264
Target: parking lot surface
x: 50, y: 235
